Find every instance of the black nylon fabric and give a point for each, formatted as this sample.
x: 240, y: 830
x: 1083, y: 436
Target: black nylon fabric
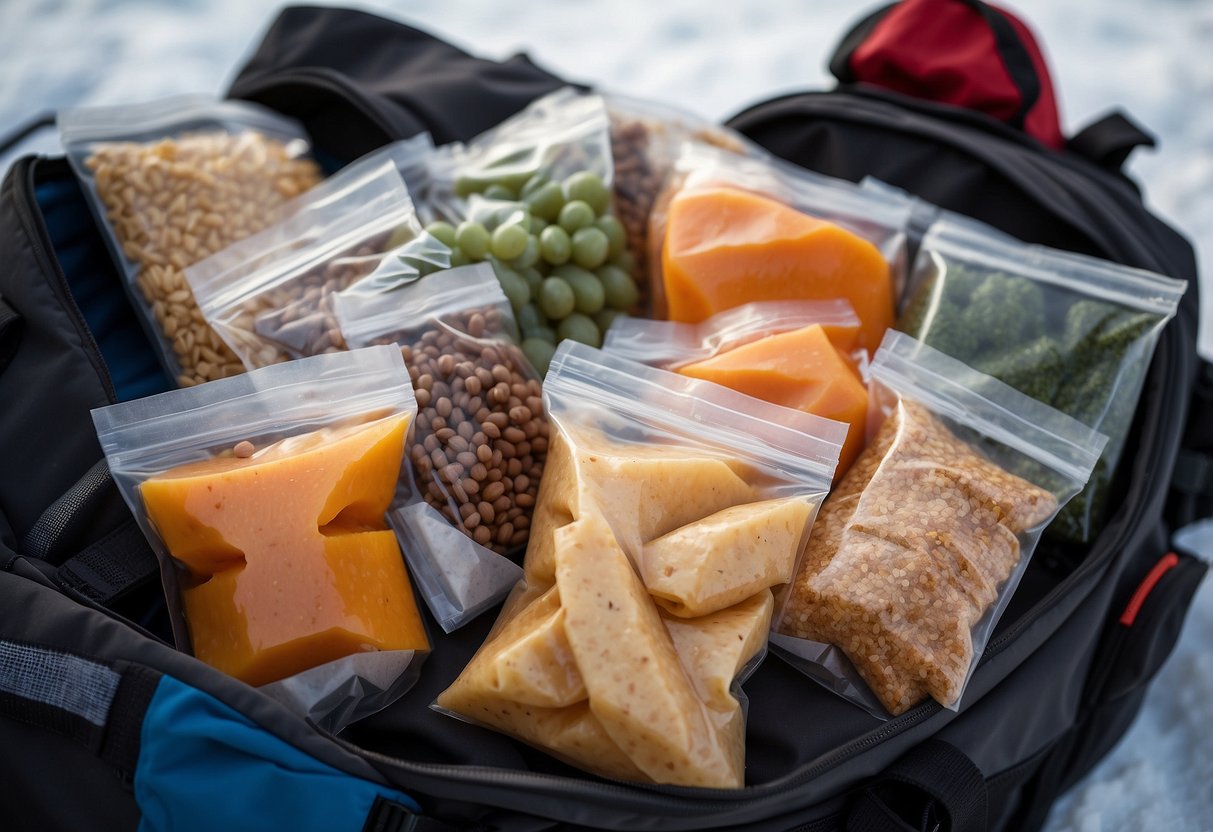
x: 358, y: 81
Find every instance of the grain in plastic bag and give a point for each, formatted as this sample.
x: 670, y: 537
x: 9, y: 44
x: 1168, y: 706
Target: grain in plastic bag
x: 481, y: 437
x: 730, y: 230
x: 263, y: 496
x: 171, y: 182
x: 1072, y: 331
x: 645, y: 138
x: 920, y: 547
x: 669, y: 509
x: 270, y: 296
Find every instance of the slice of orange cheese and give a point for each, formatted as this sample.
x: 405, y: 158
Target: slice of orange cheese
x: 800, y: 369
x: 289, y: 546
x: 725, y: 247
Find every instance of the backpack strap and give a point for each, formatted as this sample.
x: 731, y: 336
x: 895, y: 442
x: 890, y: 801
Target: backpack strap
x: 935, y: 783
x: 1109, y: 141
x: 11, y: 325
x: 111, y: 567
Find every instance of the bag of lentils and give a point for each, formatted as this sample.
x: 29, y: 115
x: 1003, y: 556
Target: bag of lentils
x: 481, y: 436
x: 172, y: 182
x: 270, y: 296
x: 918, y: 550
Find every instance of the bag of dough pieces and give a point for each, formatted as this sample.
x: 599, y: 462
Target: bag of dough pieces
x: 669, y: 509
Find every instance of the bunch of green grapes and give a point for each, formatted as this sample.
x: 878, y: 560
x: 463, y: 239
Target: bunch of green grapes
x: 560, y: 256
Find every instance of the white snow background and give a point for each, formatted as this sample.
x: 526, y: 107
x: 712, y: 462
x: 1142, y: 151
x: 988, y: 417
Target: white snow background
x: 1155, y: 59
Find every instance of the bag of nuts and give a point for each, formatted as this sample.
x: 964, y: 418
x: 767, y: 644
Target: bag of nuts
x: 270, y: 296
x: 918, y: 550
x: 645, y: 137
x: 172, y: 182
x: 481, y: 435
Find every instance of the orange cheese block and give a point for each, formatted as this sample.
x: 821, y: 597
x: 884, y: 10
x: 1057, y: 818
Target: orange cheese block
x: 725, y: 247
x: 800, y: 369
x: 289, y: 546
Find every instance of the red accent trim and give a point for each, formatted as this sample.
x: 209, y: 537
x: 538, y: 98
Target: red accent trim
x: 1168, y: 562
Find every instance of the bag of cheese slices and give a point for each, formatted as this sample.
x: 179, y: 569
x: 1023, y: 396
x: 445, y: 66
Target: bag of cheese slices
x: 920, y: 547
x: 468, y: 504
x: 263, y: 496
x: 669, y: 510
x: 730, y: 229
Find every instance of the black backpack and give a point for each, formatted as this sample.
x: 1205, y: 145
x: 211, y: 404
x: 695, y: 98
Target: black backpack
x: 104, y: 724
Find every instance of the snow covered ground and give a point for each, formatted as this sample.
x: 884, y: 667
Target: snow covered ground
x: 1154, y: 59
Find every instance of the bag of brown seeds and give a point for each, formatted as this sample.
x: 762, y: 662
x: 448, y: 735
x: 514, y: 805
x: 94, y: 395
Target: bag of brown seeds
x: 171, y: 182
x: 481, y: 435
x: 270, y: 296
x: 918, y: 550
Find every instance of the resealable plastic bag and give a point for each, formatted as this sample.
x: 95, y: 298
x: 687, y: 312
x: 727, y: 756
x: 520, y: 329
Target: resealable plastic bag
x: 253, y: 491
x: 173, y: 181
x: 556, y: 136
x: 645, y: 139
x: 722, y: 234
x: 270, y: 296
x: 1072, y: 331
x: 670, y: 345
x: 918, y: 550
x: 479, y: 445
x: 669, y: 509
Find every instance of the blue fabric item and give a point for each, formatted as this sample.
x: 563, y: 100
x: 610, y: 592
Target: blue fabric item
x: 204, y: 766
x: 98, y: 290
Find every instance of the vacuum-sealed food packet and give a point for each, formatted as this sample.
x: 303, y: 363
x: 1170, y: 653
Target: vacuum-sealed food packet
x: 799, y: 354
x: 532, y: 197
x: 270, y: 296
x: 172, y: 182
x: 669, y: 509
x: 1074, y: 332
x: 263, y: 496
x: 478, y: 448
x: 919, y: 548
x: 645, y: 138
x: 730, y: 230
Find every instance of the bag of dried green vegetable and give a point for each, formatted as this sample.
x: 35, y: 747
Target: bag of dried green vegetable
x: 1074, y: 332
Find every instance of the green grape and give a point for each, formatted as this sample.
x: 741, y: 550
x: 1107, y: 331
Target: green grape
x: 529, y: 317
x: 556, y: 298
x: 533, y: 184
x: 538, y: 224
x: 458, y: 258
x: 546, y: 202
x: 513, y: 285
x: 586, y: 288
x: 578, y: 327
x: 499, y: 191
x: 606, y: 316
x: 444, y: 232
x: 588, y: 188
x: 473, y: 238
x: 533, y: 278
x: 575, y: 215
x: 539, y: 352
x: 530, y: 254
x: 509, y: 241
x: 589, y: 248
x: 626, y: 261
x: 616, y: 236
x: 620, y: 289
x: 554, y: 245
